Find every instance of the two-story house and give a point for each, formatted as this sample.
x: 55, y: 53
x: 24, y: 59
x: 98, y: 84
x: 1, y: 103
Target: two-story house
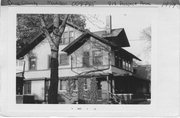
x: 90, y: 64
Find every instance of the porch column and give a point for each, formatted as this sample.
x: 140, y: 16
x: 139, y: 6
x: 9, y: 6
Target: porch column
x: 80, y: 90
x: 108, y: 87
x: 93, y: 91
x: 113, y: 86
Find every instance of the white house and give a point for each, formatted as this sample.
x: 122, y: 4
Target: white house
x: 85, y: 56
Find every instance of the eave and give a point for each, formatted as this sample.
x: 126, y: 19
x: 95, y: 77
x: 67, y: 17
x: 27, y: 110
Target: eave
x: 73, y: 46
x: 37, y: 39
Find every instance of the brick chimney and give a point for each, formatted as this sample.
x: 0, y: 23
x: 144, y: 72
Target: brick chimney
x: 108, y: 24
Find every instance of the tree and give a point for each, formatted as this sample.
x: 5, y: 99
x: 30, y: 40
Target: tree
x: 146, y: 46
x: 31, y: 24
x: 54, y: 41
x: 146, y: 35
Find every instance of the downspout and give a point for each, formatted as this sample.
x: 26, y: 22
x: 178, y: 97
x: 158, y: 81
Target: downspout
x: 23, y: 76
x: 23, y: 69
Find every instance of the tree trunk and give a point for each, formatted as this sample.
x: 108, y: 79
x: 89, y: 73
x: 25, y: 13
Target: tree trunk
x: 54, y: 41
x: 53, y: 89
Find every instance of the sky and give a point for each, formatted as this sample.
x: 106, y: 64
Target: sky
x: 133, y: 23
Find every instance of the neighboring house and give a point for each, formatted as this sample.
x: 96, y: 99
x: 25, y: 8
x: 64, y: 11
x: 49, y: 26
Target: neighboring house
x: 89, y: 63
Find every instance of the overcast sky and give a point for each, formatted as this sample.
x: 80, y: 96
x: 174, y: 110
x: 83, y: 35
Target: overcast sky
x: 133, y: 23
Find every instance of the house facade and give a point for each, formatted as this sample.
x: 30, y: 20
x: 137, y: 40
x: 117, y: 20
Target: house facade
x: 92, y: 67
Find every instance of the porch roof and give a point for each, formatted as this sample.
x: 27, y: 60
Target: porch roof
x: 126, y: 53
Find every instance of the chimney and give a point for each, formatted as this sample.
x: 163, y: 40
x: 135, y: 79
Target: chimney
x: 108, y: 24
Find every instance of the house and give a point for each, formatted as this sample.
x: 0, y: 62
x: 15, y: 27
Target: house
x: 92, y: 66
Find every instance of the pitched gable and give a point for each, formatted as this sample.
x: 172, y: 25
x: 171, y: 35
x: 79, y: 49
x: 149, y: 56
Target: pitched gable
x: 117, y: 36
x: 22, y: 51
x: 82, y: 39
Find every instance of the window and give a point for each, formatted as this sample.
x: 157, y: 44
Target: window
x: 120, y: 62
x: 64, y: 59
x: 85, y: 84
x: 32, y: 63
x: 124, y: 64
x: 116, y: 61
x: 19, y: 63
x: 49, y: 62
x: 97, y: 58
x: 27, y: 87
x: 71, y: 36
x: 86, y: 59
x: 75, y: 82
x: 47, y: 85
x: 127, y: 65
x: 63, y: 84
x: 65, y: 38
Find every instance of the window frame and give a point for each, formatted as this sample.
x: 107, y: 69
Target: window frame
x: 30, y: 62
x: 61, y: 83
x: 75, y: 84
x: 71, y: 38
x: 86, y: 58
x: 85, y: 84
x: 60, y: 61
x: 49, y: 61
x: 95, y: 57
x: 27, y: 88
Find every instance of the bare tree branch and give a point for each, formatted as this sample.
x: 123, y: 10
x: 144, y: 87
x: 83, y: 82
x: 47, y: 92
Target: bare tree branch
x: 45, y: 31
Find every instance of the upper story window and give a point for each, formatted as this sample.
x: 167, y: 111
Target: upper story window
x: 116, y: 61
x: 71, y: 36
x: 85, y: 59
x: 49, y: 62
x: 97, y: 58
x: 67, y: 37
x: 63, y: 59
x: 120, y: 62
x: 32, y: 62
x: 124, y: 64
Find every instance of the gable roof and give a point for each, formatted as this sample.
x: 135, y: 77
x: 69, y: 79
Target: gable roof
x: 117, y: 36
x: 82, y: 39
x: 20, y: 52
x: 73, y: 46
x: 116, y: 39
